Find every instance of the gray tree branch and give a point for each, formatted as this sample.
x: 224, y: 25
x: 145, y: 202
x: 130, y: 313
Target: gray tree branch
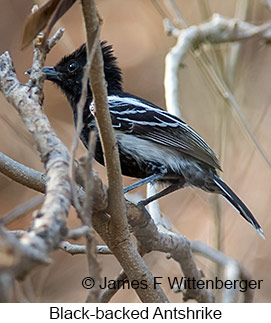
x: 117, y: 236
x: 50, y: 221
x: 218, y: 30
x: 145, y: 230
x: 49, y: 226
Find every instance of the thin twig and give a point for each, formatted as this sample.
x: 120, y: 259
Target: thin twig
x: 116, y: 203
x: 233, y: 270
x: 22, y: 174
x: 154, y: 210
x: 35, y: 180
x: 81, y: 249
x: 80, y: 108
x: 22, y: 209
x: 217, y: 30
x: 49, y: 223
x: 87, y: 164
x: 227, y: 72
x: 119, y: 281
x: 86, y: 218
x: 110, y: 292
x: 117, y: 234
x: 149, y: 237
x: 77, y: 233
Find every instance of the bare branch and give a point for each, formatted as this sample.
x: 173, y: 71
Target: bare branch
x: 77, y: 233
x: 145, y: 231
x: 36, y: 180
x: 154, y: 209
x: 80, y: 108
x: 86, y: 218
x: 116, y: 203
x: 233, y: 269
x: 80, y: 249
x: 110, y: 292
x: 22, y: 209
x: 50, y: 222
x: 51, y: 42
x: 116, y: 234
x: 177, y: 246
x: 217, y: 30
x: 22, y: 174
x: 137, y: 219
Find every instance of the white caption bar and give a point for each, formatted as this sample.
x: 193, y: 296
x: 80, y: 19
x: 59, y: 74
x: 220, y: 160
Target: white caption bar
x: 33, y: 313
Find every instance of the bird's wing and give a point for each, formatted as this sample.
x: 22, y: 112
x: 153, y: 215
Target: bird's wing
x: 140, y: 118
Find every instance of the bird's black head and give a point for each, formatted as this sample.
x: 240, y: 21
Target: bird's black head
x: 68, y: 73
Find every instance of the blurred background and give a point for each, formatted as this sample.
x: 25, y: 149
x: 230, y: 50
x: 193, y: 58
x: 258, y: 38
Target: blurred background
x: 135, y: 28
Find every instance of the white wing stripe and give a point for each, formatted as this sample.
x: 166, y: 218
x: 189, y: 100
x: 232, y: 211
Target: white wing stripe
x: 149, y: 123
x: 116, y: 101
x: 135, y: 106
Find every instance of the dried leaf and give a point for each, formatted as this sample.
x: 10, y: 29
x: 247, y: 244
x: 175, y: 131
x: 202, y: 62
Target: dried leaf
x: 38, y: 21
x: 61, y: 10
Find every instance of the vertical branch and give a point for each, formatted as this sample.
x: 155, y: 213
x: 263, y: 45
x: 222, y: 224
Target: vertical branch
x: 86, y: 217
x: 116, y: 204
x: 116, y: 235
x: 49, y: 223
x: 80, y: 108
x: 228, y: 73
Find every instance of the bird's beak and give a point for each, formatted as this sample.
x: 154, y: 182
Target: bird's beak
x: 50, y: 73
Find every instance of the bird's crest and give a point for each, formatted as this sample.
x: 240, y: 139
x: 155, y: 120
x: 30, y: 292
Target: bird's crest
x: 113, y: 74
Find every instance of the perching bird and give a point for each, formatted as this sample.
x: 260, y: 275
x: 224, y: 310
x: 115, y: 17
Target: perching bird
x: 153, y: 144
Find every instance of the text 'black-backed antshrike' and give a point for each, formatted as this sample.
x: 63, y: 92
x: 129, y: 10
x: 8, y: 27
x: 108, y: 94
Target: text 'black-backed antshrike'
x: 153, y: 144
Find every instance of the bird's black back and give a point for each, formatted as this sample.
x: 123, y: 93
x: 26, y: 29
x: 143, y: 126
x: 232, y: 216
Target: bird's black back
x: 151, y: 141
x: 134, y: 119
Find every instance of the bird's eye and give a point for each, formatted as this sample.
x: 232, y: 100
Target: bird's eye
x: 72, y: 67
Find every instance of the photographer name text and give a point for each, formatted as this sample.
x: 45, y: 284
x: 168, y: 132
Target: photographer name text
x: 176, y: 283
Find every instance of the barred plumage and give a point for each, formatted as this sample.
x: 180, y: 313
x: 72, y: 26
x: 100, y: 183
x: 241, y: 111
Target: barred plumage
x: 153, y: 144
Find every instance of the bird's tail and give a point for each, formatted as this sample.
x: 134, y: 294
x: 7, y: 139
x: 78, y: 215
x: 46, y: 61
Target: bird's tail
x: 234, y: 200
